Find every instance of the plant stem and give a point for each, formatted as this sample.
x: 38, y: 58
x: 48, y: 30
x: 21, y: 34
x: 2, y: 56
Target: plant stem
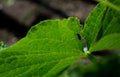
x: 91, y: 57
x: 109, y: 4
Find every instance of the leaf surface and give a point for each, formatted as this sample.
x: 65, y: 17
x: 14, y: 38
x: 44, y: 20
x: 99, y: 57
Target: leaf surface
x: 103, y: 21
x: 109, y: 42
x: 111, y: 22
x: 93, y: 24
x: 48, y: 48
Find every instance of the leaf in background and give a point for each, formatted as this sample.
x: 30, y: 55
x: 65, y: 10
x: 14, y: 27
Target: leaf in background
x: 93, y: 24
x: 108, y: 66
x: 48, y: 48
x: 2, y: 45
x: 109, y: 42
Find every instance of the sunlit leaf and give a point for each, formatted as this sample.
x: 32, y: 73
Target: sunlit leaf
x: 48, y: 48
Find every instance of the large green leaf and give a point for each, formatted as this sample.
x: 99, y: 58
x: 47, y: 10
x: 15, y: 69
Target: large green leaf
x: 109, y: 42
x: 48, y: 48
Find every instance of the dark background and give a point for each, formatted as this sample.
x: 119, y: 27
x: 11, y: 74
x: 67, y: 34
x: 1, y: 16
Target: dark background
x: 17, y: 16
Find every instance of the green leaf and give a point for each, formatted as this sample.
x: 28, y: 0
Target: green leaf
x: 93, y: 24
x: 48, y: 48
x: 102, y: 21
x: 111, y: 22
x: 109, y: 42
x: 109, y: 26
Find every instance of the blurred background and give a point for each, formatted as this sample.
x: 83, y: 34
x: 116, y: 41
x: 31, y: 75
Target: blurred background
x: 17, y: 16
